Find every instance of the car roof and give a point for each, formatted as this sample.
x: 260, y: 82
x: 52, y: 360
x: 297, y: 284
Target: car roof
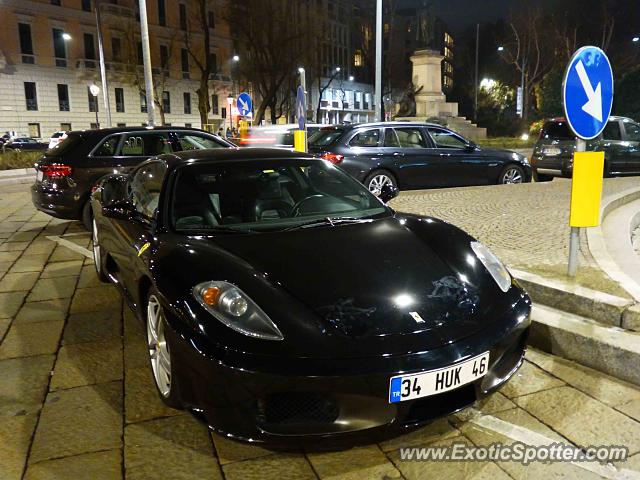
x: 384, y: 124
x: 103, y: 132
x: 612, y: 117
x: 174, y: 160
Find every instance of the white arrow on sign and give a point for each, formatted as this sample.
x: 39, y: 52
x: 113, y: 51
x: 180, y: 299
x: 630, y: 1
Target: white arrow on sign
x: 245, y: 106
x: 594, y: 105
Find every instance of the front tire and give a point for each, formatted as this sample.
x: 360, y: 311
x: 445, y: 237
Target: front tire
x: 160, y: 352
x: 378, y: 179
x: 511, y: 174
x: 97, y: 253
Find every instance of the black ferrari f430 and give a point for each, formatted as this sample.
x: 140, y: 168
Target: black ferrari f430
x: 282, y: 300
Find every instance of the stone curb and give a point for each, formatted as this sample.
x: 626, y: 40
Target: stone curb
x: 608, y: 349
x: 602, y: 307
x: 16, y: 172
x: 598, y: 247
x: 18, y: 180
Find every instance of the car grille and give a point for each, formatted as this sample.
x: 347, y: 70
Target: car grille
x: 298, y: 407
x: 436, y: 406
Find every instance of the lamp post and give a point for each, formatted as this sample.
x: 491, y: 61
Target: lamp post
x: 146, y: 60
x: 95, y: 91
x: 103, y: 68
x: 229, y: 102
x: 378, y: 74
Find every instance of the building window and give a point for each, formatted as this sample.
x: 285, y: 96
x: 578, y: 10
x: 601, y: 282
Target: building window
x: 223, y: 112
x: 63, y: 97
x: 183, y: 16
x: 30, y: 95
x: 65, y: 127
x: 26, y: 44
x: 59, y: 48
x: 116, y: 49
x: 34, y: 130
x: 357, y: 58
x: 186, y: 96
x: 121, y: 125
x: 164, y: 57
x: 119, y: 100
x: 93, y: 101
x: 166, y: 102
x: 184, y: 57
x: 211, y: 19
x: 162, y: 13
x: 143, y: 102
x: 89, y: 51
x: 214, y: 104
x: 56, y: 2
x: 188, y: 125
x: 86, y: 5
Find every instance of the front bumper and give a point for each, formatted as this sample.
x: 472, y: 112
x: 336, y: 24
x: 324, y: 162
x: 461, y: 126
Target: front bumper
x: 288, y: 401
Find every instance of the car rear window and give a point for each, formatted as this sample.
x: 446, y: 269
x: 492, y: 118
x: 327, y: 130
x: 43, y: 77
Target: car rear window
x: 65, y: 145
x: 557, y: 130
x: 325, y: 136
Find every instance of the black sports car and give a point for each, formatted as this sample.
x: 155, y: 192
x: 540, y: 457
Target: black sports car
x: 413, y: 155
x: 283, y: 300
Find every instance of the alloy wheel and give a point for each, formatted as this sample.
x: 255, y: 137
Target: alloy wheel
x: 158, y: 346
x: 512, y: 175
x: 377, y: 182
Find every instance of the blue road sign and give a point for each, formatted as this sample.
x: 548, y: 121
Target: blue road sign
x: 587, y: 92
x: 301, y: 108
x: 244, y: 104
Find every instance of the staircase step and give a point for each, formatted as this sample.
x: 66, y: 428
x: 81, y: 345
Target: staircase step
x: 610, y: 350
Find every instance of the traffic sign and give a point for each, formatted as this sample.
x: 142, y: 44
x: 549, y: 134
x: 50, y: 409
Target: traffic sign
x: 587, y: 92
x: 244, y: 104
x: 301, y: 108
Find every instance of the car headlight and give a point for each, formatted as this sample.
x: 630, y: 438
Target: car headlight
x: 231, y: 306
x: 495, y: 267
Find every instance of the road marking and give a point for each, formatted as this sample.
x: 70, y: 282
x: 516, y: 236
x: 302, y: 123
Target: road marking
x: 70, y: 245
x: 529, y: 437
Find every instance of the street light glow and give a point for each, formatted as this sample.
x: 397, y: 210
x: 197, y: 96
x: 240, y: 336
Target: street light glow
x: 500, y: 48
x: 94, y: 89
x: 487, y: 83
x: 66, y: 37
x: 351, y: 78
x: 338, y: 69
x: 300, y: 70
x: 636, y: 39
x: 236, y: 58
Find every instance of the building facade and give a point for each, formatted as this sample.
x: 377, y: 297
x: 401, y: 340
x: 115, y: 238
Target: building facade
x: 49, y: 59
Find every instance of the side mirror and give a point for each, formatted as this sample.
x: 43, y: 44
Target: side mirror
x: 388, y: 193
x: 120, y: 211
x: 471, y: 146
x: 113, y: 190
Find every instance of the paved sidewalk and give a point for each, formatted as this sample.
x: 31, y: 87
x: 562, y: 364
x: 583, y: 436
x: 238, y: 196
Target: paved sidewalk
x: 77, y: 399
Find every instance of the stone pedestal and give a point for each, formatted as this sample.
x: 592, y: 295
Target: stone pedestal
x: 431, y: 102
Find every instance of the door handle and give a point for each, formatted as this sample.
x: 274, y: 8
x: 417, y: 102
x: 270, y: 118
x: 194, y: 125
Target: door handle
x: 398, y: 154
x: 445, y: 154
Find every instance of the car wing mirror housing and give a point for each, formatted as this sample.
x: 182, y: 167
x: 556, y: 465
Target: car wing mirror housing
x: 114, y: 199
x: 471, y: 146
x: 388, y: 193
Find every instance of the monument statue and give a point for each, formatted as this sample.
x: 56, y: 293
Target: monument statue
x: 407, y: 104
x: 425, y: 23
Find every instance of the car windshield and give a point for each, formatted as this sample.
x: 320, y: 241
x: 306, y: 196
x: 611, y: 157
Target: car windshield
x: 261, y: 195
x: 325, y: 137
x: 557, y: 131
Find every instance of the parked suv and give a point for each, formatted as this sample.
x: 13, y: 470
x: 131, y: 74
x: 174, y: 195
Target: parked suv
x: 68, y: 171
x: 410, y: 155
x: 553, y: 152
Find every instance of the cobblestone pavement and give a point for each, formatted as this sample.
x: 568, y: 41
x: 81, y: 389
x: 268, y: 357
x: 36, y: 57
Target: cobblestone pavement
x: 77, y: 399
x: 526, y: 225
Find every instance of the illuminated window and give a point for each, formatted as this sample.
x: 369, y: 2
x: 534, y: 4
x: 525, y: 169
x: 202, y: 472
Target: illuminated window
x: 357, y: 58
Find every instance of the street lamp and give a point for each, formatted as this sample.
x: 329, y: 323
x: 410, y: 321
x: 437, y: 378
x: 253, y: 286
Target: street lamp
x: 229, y: 102
x: 635, y: 39
x: 500, y: 48
x: 66, y: 37
x: 351, y: 79
x: 235, y: 58
x: 95, y: 90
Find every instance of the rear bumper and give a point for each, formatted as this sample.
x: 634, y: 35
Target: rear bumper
x: 553, y: 166
x: 292, y: 401
x: 57, y: 203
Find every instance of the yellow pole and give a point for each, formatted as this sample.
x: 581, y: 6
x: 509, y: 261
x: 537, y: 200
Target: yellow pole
x: 299, y: 141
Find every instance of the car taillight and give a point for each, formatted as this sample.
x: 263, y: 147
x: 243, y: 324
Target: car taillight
x: 56, y: 170
x: 333, y: 157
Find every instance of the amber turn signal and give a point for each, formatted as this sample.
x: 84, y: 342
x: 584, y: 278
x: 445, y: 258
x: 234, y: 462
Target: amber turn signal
x: 211, y: 295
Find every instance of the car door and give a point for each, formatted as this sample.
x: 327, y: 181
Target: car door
x: 134, y: 235
x: 632, y: 148
x: 364, y: 153
x: 418, y: 162
x: 461, y: 165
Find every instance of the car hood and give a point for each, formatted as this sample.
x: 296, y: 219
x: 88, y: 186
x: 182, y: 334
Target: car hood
x: 392, y: 285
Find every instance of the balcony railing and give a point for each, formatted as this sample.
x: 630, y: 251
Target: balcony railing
x: 61, y: 62
x: 90, y: 63
x: 117, y: 10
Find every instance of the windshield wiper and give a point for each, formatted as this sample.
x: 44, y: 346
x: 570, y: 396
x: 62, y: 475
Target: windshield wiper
x: 333, y: 221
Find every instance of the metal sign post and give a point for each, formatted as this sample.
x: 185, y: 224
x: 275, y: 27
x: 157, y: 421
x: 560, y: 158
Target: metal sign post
x: 300, y: 135
x: 587, y: 93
